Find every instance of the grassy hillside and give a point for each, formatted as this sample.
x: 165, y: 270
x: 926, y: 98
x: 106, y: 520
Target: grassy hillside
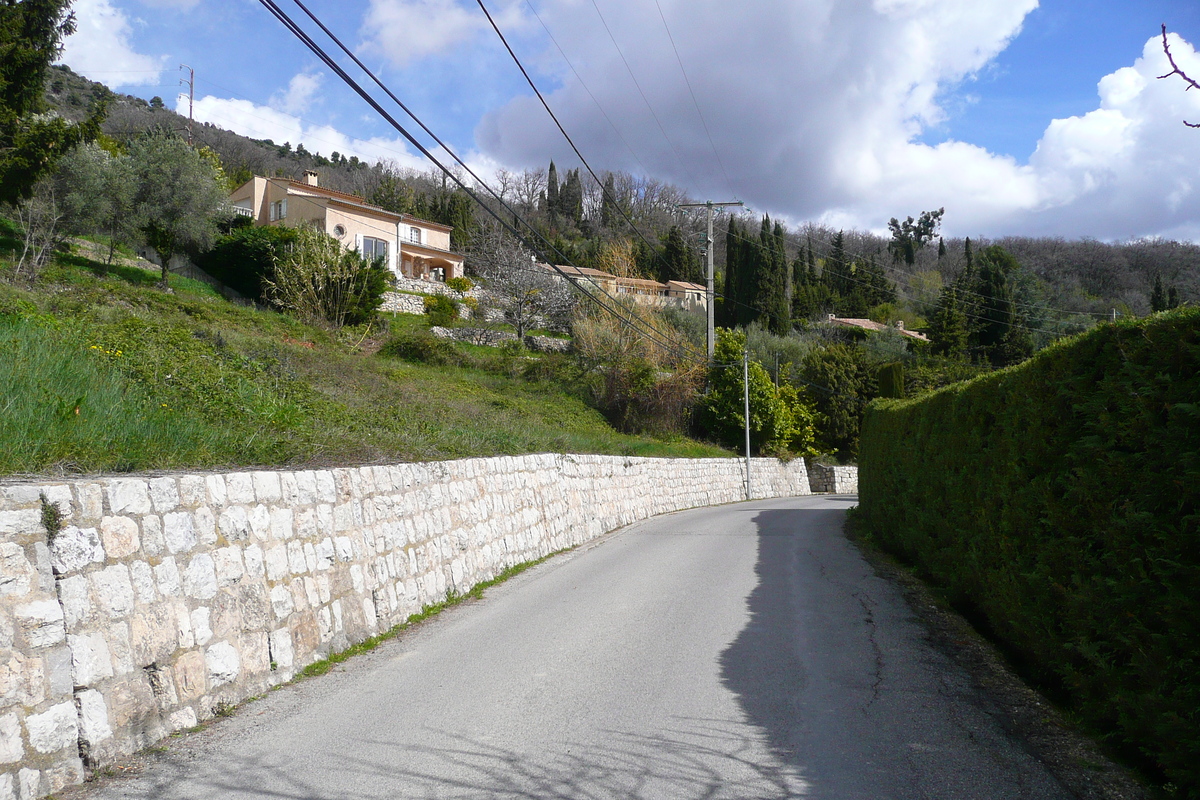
x: 100, y: 371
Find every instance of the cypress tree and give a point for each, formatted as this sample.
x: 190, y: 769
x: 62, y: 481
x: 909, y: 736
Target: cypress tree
x: 609, y: 212
x: 1158, y: 297
x: 732, y: 288
x: 1172, y: 298
x: 948, y: 327
x: 552, y: 200
x: 679, y: 262
x: 941, y: 248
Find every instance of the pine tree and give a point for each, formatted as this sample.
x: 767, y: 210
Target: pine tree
x: 836, y: 272
x: 948, y: 328
x: 941, y: 248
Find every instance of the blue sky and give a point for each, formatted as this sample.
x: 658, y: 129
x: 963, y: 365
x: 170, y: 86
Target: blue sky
x: 1018, y: 116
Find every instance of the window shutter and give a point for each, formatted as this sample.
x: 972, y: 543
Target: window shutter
x: 358, y: 242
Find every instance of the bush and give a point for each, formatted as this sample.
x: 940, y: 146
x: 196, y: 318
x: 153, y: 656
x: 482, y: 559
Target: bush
x: 440, y: 310
x: 421, y: 348
x: 1059, y: 500
x: 244, y: 259
x: 316, y: 279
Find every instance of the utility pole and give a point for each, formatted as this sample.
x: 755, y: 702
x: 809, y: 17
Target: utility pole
x: 746, y: 400
x: 190, y: 81
x: 708, y: 247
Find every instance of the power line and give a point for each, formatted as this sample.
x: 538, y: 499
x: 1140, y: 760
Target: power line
x: 333, y: 65
x: 663, y: 130
x: 696, y: 103
x: 582, y: 83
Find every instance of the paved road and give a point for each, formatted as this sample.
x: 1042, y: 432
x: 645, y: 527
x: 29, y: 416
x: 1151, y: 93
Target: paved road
x: 740, y: 652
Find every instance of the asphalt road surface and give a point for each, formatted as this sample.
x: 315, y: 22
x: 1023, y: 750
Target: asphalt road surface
x: 746, y: 651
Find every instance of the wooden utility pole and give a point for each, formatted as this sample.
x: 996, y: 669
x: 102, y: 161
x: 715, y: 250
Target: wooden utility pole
x: 190, y: 81
x: 708, y: 248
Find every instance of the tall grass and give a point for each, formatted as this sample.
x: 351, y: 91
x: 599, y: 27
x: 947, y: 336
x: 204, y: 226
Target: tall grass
x: 64, y: 408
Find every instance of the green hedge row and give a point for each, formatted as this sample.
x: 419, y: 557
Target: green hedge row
x: 1058, y: 499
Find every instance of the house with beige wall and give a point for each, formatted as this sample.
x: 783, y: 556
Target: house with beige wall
x: 680, y: 294
x: 411, y: 247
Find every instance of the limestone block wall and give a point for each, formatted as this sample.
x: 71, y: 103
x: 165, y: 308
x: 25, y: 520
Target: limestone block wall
x: 162, y: 597
x: 39, y: 729
x: 832, y: 479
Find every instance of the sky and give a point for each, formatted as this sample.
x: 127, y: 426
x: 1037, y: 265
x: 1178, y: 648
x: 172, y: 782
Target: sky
x: 1019, y: 117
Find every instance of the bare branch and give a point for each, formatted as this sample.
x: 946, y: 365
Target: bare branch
x: 1175, y: 70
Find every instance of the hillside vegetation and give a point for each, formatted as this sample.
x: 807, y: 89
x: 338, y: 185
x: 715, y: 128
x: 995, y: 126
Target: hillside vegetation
x: 102, y: 371
x: 1058, y: 502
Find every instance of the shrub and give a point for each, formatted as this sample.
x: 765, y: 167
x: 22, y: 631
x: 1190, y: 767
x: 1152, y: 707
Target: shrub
x: 316, y: 279
x: 244, y: 259
x: 460, y: 285
x: 1059, y: 500
x: 440, y: 310
x: 421, y: 348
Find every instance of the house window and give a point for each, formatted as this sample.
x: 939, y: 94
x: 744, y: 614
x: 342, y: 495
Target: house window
x: 414, y: 235
x: 278, y: 210
x: 339, y: 231
x: 374, y: 248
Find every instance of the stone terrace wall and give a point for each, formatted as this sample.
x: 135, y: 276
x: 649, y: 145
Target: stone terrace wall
x: 161, y: 598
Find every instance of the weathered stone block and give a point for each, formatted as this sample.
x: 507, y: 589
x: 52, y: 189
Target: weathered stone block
x: 281, y: 649
x: 266, y: 487
x: 206, y: 525
x: 179, y: 532
x: 42, y: 622
x: 240, y: 488
x: 164, y: 494
x: 282, y: 523
x: 190, y: 673
x: 153, y: 634
x: 234, y: 524
x: 167, y: 576
x: 90, y: 659
x: 260, y: 522
x: 17, y: 575
x: 228, y: 563
x: 120, y: 536
x: 57, y: 661
x: 93, y: 717
x: 55, y: 729
x: 218, y: 495
x: 113, y: 590
x: 223, y: 664
x: 89, y: 500
x: 75, y: 548
x: 182, y: 720
x: 201, y: 627
x: 254, y: 561
x: 153, y: 542
x: 12, y: 748
x: 141, y: 575
x: 200, y: 579
x: 192, y: 491
x: 128, y: 496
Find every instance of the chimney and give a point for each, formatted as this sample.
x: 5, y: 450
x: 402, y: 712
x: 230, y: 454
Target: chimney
x: 310, y: 178
x: 899, y: 324
x: 830, y: 318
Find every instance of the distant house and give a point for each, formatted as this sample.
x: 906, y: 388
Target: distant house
x: 411, y: 247
x: 871, y: 325
x: 680, y: 294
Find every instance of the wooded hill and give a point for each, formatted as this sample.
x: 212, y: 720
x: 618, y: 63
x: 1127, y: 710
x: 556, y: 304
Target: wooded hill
x: 1062, y: 285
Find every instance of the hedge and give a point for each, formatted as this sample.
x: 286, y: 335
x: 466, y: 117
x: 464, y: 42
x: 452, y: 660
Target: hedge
x: 1057, y: 500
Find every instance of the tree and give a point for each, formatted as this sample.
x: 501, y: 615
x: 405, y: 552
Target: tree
x: 998, y: 334
x: 841, y: 383
x: 910, y: 236
x: 1175, y: 70
x: 31, y: 143
x: 780, y: 421
x: 1158, y: 297
x: 679, y: 262
x: 523, y: 290
x: 97, y: 194
x: 610, y: 212
x: 178, y: 197
x: 948, y: 326
x: 552, y: 192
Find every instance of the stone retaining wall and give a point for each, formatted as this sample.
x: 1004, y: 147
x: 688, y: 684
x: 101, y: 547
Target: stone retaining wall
x: 832, y: 479
x: 161, y: 598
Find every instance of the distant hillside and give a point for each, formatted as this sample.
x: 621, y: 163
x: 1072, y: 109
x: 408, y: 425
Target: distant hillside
x: 1086, y: 277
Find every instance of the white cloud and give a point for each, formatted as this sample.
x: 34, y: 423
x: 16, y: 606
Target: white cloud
x: 265, y: 122
x: 403, y: 31
x: 101, y: 48
x: 816, y: 107
x: 182, y: 5
x: 299, y: 95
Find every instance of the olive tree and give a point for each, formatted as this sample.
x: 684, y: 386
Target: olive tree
x: 180, y: 193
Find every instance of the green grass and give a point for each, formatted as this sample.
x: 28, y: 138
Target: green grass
x: 100, y: 371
